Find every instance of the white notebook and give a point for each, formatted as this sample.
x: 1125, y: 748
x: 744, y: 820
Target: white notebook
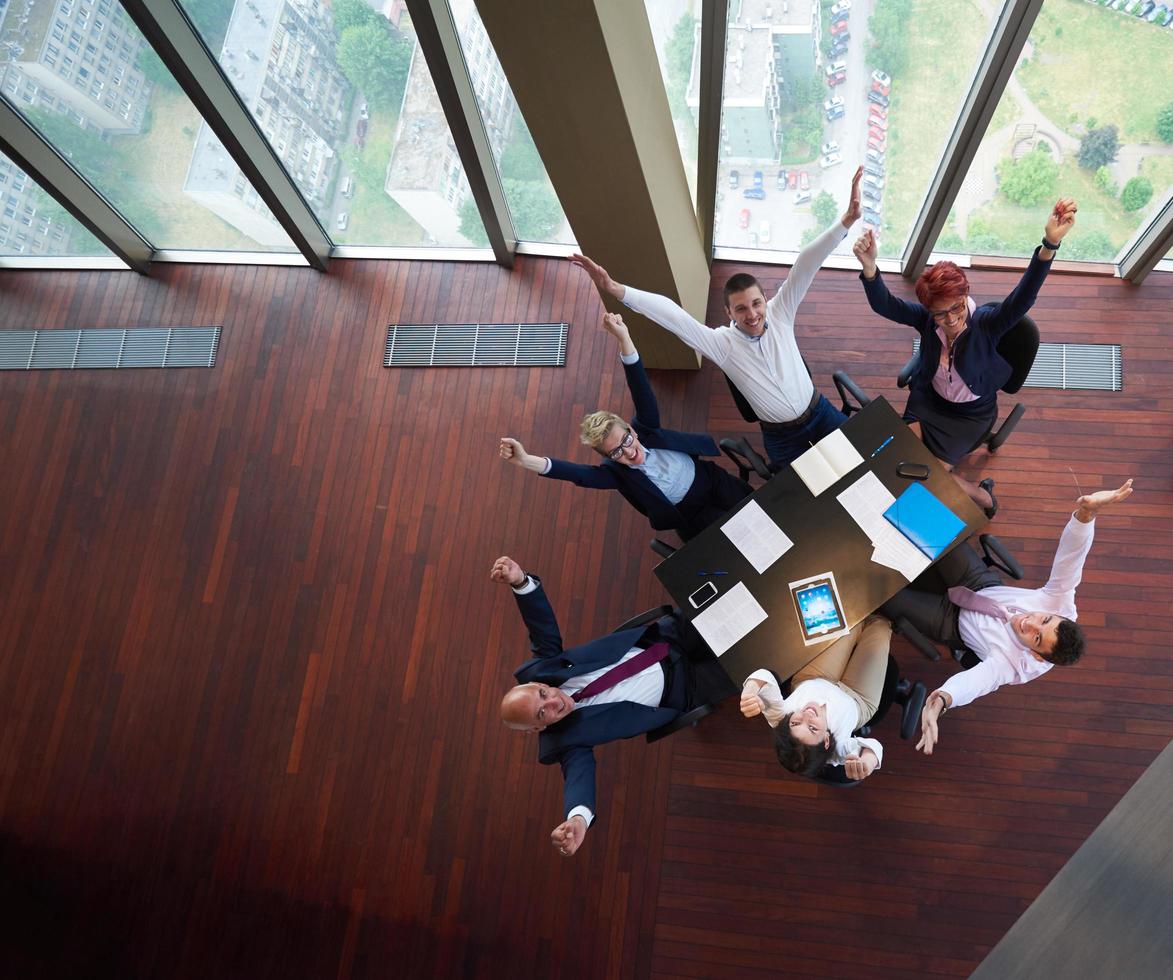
x: 829, y: 459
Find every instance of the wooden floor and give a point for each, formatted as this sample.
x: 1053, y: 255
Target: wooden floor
x: 250, y: 657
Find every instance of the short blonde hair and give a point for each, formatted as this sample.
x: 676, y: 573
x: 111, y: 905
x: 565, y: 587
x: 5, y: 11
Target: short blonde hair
x: 596, y: 426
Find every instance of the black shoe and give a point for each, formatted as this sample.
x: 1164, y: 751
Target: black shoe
x: 988, y: 485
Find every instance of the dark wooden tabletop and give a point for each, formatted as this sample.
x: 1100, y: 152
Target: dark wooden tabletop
x: 826, y: 539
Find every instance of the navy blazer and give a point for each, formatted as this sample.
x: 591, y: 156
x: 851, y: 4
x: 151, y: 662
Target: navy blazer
x: 975, y: 355
x: 570, y: 742
x: 639, y: 491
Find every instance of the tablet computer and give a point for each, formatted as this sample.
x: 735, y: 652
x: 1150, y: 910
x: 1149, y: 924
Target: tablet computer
x: 820, y: 612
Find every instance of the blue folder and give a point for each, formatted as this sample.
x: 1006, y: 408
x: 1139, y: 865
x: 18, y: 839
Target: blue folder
x: 924, y: 520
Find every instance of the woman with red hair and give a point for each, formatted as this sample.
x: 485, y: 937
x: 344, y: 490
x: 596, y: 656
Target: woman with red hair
x: 952, y: 397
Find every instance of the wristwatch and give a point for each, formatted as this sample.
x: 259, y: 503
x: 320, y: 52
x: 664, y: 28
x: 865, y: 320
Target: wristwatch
x: 1053, y: 246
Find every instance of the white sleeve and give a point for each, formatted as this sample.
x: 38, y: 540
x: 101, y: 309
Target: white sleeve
x: 1067, y: 568
x: 855, y: 745
x: 784, y: 306
x: 584, y: 812
x: 771, y: 696
x: 985, y: 678
x: 676, y: 320
x: 529, y: 584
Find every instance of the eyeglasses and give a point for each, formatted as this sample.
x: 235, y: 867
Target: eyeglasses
x: 625, y: 443
x: 944, y: 316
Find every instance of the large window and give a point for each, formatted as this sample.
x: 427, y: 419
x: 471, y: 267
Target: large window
x: 84, y: 77
x: 1088, y: 114
x: 814, y: 89
x: 533, y: 205
x: 344, y: 97
x: 33, y: 224
x: 676, y: 28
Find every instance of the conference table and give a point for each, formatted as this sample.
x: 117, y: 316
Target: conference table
x: 825, y: 539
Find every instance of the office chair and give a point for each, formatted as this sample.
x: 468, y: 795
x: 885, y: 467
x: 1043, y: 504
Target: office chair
x: 686, y: 719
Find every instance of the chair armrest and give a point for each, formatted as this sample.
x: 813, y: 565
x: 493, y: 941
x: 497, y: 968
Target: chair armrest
x: 908, y: 370
x: 645, y: 617
x: 685, y: 719
x: 995, y: 555
x: 662, y: 548
x: 917, y: 638
x: 849, y: 390
x: 745, y: 458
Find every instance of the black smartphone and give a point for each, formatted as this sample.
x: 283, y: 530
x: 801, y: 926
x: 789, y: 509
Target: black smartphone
x: 912, y: 471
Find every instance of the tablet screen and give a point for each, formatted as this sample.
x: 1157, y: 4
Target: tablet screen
x: 818, y: 608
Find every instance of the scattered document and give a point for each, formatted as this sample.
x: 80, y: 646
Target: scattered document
x: 729, y: 618
x: 829, y: 459
x: 866, y: 500
x: 756, y: 536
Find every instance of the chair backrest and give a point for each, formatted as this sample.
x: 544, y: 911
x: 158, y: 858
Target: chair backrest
x: 743, y: 406
x: 1018, y: 347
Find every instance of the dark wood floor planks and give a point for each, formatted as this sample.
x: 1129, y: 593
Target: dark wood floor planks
x: 250, y: 657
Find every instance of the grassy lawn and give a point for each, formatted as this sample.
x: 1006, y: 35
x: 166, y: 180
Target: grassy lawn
x: 375, y: 219
x: 941, y: 60
x: 1092, y: 62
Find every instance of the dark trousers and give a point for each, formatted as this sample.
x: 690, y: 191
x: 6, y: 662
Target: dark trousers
x: 692, y: 675
x: 787, y: 445
x: 933, y: 613
x: 722, y: 491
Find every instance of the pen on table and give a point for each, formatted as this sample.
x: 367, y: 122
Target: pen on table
x: 712, y: 573
x: 882, y: 445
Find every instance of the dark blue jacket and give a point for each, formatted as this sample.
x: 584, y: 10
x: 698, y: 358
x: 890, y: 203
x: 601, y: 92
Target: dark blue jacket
x: 639, y: 491
x: 975, y: 355
x: 570, y: 741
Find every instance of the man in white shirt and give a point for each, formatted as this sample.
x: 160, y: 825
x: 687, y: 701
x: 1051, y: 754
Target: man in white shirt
x: 1017, y: 634
x: 757, y: 350
x: 618, y: 686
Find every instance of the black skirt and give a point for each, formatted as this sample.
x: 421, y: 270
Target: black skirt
x: 950, y: 430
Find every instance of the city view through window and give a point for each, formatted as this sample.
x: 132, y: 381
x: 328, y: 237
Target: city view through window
x: 34, y: 224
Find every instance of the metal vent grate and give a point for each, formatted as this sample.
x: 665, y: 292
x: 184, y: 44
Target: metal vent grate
x: 1093, y: 367
x: 159, y: 347
x: 476, y: 345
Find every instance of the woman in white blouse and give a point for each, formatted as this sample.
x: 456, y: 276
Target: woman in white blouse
x: 830, y: 698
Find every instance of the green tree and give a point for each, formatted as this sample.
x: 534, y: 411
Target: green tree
x: 1165, y: 123
x: 1090, y: 246
x: 1029, y: 180
x: 535, y: 210
x: 520, y: 159
x: 353, y: 13
x: 808, y: 236
x: 85, y: 149
x: 949, y: 241
x: 678, y: 63
x: 824, y: 209
x: 1136, y: 194
x: 985, y: 243
x: 376, y: 57
x: 471, y: 226
x: 1098, y: 148
x: 151, y: 65
x: 1105, y: 182
x: 888, y: 26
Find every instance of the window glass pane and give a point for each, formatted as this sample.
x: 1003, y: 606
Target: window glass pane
x: 84, y: 77
x: 344, y: 96
x: 32, y: 223
x: 815, y: 89
x: 1080, y: 118
x: 533, y: 205
x: 676, y: 28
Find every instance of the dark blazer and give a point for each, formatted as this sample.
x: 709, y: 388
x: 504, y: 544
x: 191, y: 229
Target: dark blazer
x: 975, y: 355
x: 639, y: 491
x: 570, y: 741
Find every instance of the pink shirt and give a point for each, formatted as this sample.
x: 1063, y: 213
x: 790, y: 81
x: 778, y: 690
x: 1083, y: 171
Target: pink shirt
x: 955, y: 390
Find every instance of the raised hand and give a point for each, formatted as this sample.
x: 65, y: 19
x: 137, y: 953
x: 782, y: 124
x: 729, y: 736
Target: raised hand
x: 1091, y: 504
x: 599, y: 276
x: 751, y: 704
x: 854, y: 209
x: 928, y: 723
x: 1061, y: 221
x: 506, y: 571
x: 865, y: 250
x: 614, y: 325
x: 512, y: 451
x: 860, y: 766
x: 568, y: 836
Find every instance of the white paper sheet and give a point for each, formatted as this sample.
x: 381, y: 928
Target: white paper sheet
x: 866, y: 500
x: 826, y: 461
x: 729, y: 618
x: 756, y: 536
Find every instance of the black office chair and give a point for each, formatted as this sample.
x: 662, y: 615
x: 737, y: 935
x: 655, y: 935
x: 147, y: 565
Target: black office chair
x: 897, y: 690
x: 1018, y: 347
x: 687, y: 719
x: 994, y: 555
x: 746, y: 459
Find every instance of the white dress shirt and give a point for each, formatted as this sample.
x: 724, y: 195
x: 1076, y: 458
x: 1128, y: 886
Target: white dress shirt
x: 768, y: 370
x: 646, y: 688
x: 842, y: 712
x: 1004, y: 659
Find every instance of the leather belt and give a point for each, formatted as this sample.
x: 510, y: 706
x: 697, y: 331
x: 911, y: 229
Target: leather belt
x: 794, y: 423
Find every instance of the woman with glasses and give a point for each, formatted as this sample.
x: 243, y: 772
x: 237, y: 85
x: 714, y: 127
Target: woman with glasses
x: 659, y: 471
x: 953, y: 396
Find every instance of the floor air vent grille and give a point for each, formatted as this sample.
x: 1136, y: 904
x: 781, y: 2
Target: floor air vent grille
x: 138, y: 347
x: 476, y: 345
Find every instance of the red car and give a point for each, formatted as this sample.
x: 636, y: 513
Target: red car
x: 875, y: 140
x: 793, y: 179
x: 877, y: 122
x: 839, y: 27
x: 837, y: 79
x: 804, y: 181
x: 882, y: 89
x: 743, y: 218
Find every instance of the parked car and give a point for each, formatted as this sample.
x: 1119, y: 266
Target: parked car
x: 839, y: 7
x: 343, y: 220
x: 841, y: 16
x: 831, y: 160
x: 833, y: 102
x: 1159, y: 12
x: 882, y: 89
x: 876, y: 140
x: 871, y: 198
x: 831, y: 147
x: 874, y: 169
x: 802, y: 197
x: 871, y: 180
x: 878, y: 98
x: 835, y: 66
x: 1167, y: 21
x: 872, y: 217
x: 793, y: 179
x: 782, y: 178
x: 764, y: 233
x: 879, y: 122
x: 347, y: 187
x: 837, y: 112
x: 837, y: 79
x: 840, y: 44
x: 364, y: 112
x: 879, y: 76
x: 743, y: 218
x: 838, y: 27
x: 754, y: 193
x: 876, y: 157
x: 757, y: 178
x: 734, y: 178
x: 1141, y: 11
